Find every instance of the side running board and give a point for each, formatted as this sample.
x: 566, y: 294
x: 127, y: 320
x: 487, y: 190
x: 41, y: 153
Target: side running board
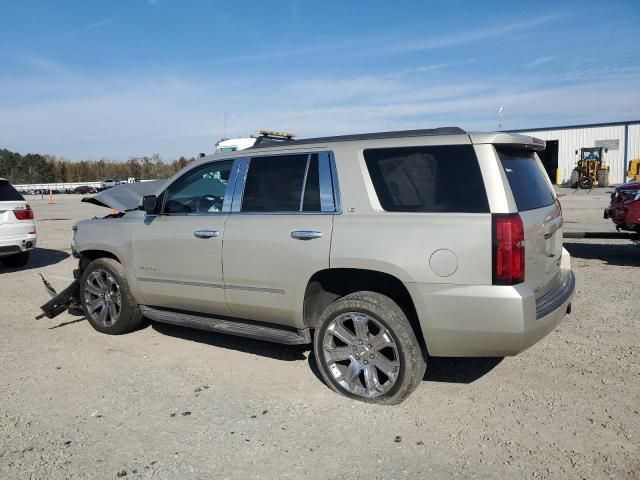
x: 242, y: 328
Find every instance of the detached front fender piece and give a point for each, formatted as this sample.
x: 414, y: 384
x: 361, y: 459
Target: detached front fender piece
x: 69, y: 297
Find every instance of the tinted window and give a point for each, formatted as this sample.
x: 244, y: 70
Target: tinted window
x: 526, y: 178
x: 427, y: 179
x: 200, y: 190
x: 8, y: 193
x: 274, y: 184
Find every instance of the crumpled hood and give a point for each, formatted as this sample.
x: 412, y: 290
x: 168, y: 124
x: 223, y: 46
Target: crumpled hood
x: 127, y: 196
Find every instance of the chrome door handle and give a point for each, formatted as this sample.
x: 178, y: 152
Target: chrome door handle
x: 305, y: 234
x: 206, y: 233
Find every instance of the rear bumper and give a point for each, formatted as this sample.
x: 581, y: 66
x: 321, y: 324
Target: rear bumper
x: 489, y: 321
x: 17, y: 244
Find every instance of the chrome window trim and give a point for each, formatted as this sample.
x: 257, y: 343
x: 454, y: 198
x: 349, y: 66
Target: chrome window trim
x: 241, y: 180
x: 337, y: 197
x: 304, y: 182
x: 327, y: 197
x: 330, y: 199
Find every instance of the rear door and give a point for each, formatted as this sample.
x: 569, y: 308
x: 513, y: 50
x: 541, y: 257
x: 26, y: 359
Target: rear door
x: 278, y: 236
x: 541, y: 216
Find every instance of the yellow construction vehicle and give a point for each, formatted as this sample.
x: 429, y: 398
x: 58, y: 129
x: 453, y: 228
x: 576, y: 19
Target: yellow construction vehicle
x: 591, y: 169
x: 634, y: 170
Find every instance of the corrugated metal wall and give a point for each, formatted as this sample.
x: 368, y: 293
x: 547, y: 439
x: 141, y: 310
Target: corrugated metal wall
x: 572, y: 139
x: 634, y: 141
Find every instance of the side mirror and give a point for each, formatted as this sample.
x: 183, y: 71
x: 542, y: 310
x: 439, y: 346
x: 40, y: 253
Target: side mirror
x: 150, y: 204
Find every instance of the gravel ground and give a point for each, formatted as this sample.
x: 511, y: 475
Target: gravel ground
x: 167, y: 402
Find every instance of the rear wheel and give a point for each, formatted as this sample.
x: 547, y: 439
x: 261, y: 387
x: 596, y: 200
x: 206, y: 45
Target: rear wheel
x: 585, y: 182
x: 17, y: 260
x: 603, y: 177
x: 366, y: 349
x: 106, y: 299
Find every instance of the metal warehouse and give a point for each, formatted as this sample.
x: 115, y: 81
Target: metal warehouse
x: 620, y: 142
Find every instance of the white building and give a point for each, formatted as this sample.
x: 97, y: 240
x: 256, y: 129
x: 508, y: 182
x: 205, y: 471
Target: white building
x: 621, y: 139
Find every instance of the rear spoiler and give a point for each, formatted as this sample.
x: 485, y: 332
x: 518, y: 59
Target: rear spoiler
x: 514, y: 140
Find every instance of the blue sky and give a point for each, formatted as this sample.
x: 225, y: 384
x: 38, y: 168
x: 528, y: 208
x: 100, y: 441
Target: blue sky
x: 113, y: 79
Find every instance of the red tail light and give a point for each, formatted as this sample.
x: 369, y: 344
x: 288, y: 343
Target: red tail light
x: 23, y: 213
x: 508, y: 249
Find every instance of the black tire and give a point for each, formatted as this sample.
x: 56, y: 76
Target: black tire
x: 408, y: 360
x: 585, y: 183
x: 603, y: 178
x: 575, y: 176
x: 15, y: 261
x: 129, y: 316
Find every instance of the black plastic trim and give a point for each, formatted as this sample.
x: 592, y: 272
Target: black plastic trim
x: 553, y: 299
x: 244, y: 328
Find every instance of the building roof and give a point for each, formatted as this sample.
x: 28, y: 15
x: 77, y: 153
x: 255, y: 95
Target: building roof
x: 572, y: 127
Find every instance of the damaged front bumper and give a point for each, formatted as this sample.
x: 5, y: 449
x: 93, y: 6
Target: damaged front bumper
x: 67, y: 299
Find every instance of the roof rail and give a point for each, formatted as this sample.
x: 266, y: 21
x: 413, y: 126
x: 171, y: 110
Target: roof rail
x: 268, y: 142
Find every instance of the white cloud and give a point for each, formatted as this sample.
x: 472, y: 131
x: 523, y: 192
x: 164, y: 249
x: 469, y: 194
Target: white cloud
x: 538, y: 61
x: 91, y: 26
x: 136, y: 113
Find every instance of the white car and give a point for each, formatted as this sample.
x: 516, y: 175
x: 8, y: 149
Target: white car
x: 17, y: 228
x: 110, y: 183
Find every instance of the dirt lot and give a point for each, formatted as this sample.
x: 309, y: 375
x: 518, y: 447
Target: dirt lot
x: 168, y: 403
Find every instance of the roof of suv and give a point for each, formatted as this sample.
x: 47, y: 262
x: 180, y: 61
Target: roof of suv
x: 264, y: 143
x: 475, y: 137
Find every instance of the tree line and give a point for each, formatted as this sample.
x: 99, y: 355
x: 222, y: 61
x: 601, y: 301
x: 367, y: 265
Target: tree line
x: 37, y: 168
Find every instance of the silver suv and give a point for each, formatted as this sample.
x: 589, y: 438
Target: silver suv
x: 381, y: 249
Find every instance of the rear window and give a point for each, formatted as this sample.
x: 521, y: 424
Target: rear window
x: 8, y: 193
x: 527, y: 179
x: 427, y: 179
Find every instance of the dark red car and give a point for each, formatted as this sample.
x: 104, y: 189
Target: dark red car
x: 84, y: 189
x: 624, y: 209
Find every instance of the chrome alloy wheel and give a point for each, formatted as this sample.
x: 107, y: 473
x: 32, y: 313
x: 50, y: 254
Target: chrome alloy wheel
x: 361, y: 354
x: 102, y: 297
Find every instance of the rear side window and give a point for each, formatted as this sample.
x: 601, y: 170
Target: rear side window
x: 427, y: 179
x: 283, y: 183
x: 527, y: 179
x: 8, y: 193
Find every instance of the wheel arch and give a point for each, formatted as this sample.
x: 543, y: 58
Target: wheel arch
x: 326, y: 286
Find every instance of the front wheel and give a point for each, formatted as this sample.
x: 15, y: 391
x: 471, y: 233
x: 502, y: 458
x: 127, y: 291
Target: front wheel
x: 106, y: 300
x: 585, y: 183
x: 366, y: 349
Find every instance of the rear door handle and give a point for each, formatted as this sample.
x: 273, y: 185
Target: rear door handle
x: 206, y: 233
x: 305, y: 234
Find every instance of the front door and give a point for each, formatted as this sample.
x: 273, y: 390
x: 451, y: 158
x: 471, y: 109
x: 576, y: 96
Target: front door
x: 279, y: 236
x: 178, y: 253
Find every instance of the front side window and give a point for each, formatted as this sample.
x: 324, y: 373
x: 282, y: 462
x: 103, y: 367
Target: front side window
x: 200, y: 190
x: 443, y: 178
x: 283, y: 183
